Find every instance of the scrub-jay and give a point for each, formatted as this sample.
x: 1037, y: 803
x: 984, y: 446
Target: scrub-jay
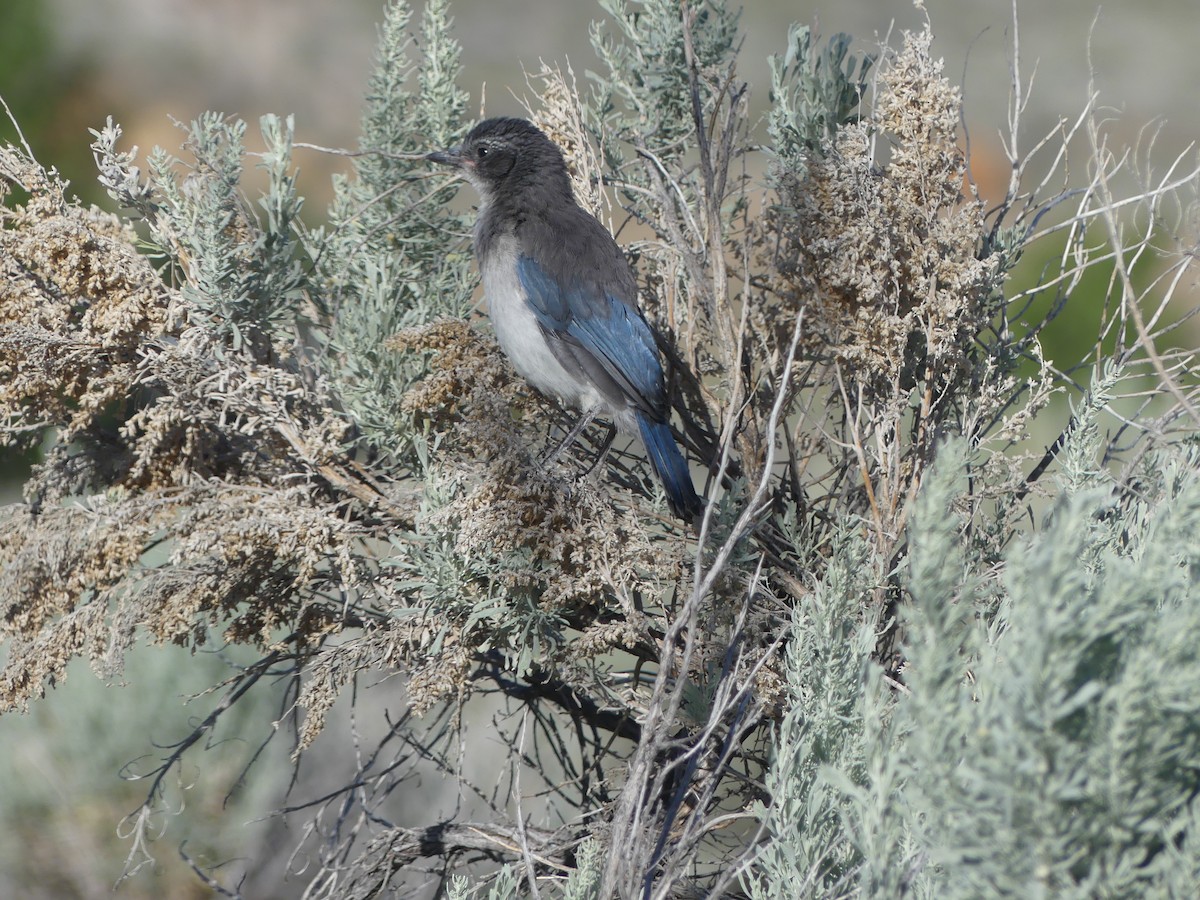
x: 562, y: 297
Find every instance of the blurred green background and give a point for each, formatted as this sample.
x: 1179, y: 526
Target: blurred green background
x: 65, y: 65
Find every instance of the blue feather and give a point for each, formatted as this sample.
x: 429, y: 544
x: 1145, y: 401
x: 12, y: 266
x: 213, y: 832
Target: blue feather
x: 605, y: 326
x: 613, y: 333
x: 670, y: 467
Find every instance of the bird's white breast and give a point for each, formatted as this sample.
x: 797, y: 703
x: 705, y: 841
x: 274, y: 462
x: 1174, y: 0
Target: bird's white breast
x: 519, y: 334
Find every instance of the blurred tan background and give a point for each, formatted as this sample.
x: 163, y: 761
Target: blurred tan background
x: 66, y: 64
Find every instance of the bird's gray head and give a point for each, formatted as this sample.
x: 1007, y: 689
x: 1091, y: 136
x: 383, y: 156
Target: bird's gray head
x: 508, y: 157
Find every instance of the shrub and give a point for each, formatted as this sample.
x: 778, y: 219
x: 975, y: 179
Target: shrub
x: 896, y: 657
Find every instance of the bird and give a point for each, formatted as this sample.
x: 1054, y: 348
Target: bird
x: 562, y: 298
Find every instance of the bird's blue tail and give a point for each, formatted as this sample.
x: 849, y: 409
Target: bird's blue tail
x: 670, y: 467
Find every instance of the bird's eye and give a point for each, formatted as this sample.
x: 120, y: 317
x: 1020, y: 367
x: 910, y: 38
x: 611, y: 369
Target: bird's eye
x: 481, y: 152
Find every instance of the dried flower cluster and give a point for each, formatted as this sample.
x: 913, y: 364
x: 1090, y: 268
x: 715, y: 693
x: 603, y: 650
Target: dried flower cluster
x: 881, y: 248
x: 530, y: 561
x: 236, y: 472
x: 76, y: 303
x: 218, y: 507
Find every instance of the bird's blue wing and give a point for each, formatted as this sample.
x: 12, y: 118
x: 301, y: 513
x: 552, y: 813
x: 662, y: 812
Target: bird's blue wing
x: 601, y: 324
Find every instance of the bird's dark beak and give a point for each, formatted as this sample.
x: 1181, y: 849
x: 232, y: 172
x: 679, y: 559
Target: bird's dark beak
x: 451, y: 157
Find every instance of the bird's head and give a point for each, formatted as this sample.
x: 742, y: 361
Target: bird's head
x: 507, y: 155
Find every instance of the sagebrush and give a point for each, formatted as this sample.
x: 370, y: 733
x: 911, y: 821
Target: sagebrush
x: 931, y: 636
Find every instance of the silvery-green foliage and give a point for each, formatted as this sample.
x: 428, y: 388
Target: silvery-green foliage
x: 584, y: 882
x: 1051, y: 751
x: 664, y: 69
x: 242, y: 265
x: 395, y: 254
x: 1045, y: 750
x: 827, y: 740
x: 506, y: 885
x: 814, y: 90
x: 646, y: 86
